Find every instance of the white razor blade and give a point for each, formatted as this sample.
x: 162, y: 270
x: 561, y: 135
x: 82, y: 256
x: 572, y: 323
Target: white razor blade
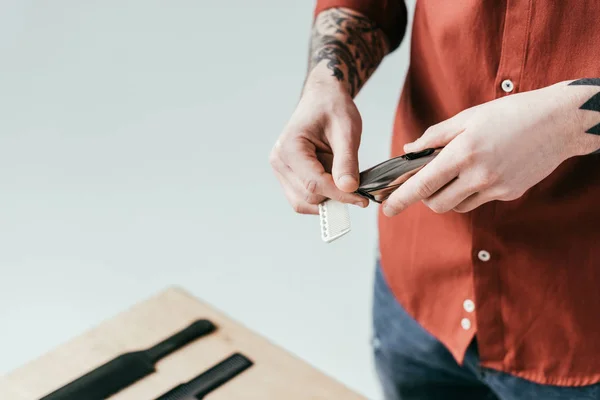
x: 335, y: 220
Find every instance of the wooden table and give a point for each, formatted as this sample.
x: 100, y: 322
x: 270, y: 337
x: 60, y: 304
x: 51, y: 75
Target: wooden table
x: 275, y: 375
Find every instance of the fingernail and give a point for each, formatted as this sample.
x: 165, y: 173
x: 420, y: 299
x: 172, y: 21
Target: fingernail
x: 360, y: 204
x: 388, y: 211
x: 346, y: 180
x: 409, y: 147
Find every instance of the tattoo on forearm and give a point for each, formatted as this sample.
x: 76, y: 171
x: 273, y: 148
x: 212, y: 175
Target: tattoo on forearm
x: 593, y: 104
x: 351, y: 44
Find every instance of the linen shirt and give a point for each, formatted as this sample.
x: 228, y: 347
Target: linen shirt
x: 523, y: 275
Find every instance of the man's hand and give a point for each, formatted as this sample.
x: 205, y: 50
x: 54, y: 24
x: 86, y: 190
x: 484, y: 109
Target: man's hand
x: 497, y: 150
x: 316, y: 157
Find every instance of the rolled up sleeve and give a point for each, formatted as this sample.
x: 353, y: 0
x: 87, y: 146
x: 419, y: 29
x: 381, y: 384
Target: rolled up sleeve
x: 389, y: 15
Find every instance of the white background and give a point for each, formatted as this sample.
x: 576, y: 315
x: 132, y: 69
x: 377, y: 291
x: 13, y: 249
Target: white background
x: 134, y: 138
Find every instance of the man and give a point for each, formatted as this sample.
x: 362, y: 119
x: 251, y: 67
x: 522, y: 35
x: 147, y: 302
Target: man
x: 490, y: 255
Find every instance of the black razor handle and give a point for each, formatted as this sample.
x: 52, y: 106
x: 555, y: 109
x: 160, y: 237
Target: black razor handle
x: 128, y: 368
x: 208, y: 381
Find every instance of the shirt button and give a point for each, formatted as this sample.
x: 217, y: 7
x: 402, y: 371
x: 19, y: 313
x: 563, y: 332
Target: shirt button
x: 465, y: 323
x: 483, y: 255
x: 507, y: 85
x: 469, y: 306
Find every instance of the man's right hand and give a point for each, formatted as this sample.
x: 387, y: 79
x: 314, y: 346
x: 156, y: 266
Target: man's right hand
x: 316, y: 156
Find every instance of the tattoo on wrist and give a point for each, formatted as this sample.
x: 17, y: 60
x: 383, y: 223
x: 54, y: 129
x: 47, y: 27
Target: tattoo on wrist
x: 351, y: 44
x: 592, y: 104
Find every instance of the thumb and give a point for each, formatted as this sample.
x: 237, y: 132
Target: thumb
x: 344, y: 141
x: 438, y: 135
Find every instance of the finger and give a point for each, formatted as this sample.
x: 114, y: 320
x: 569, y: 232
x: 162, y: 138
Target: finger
x: 450, y: 195
x: 473, y: 201
x: 423, y: 184
x: 344, y: 143
x: 287, y: 177
x: 296, y: 186
x: 439, y: 135
x: 301, y: 158
x: 298, y: 204
x: 326, y: 160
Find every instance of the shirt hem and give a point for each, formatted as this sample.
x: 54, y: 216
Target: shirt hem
x: 542, y: 379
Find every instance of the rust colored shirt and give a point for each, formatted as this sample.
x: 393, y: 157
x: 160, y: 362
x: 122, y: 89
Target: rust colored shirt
x: 524, y: 275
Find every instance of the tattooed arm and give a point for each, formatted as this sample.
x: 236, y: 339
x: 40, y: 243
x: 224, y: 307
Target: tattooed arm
x: 316, y: 156
x: 350, y: 45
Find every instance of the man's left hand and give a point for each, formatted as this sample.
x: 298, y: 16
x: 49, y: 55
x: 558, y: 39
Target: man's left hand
x: 494, y: 151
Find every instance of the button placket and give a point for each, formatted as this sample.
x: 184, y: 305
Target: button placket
x: 515, y: 42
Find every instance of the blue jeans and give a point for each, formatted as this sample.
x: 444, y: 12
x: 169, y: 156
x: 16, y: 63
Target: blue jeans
x: 412, y: 364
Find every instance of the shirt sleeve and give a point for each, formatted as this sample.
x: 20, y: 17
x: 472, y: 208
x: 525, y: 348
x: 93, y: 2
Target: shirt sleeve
x: 389, y: 15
